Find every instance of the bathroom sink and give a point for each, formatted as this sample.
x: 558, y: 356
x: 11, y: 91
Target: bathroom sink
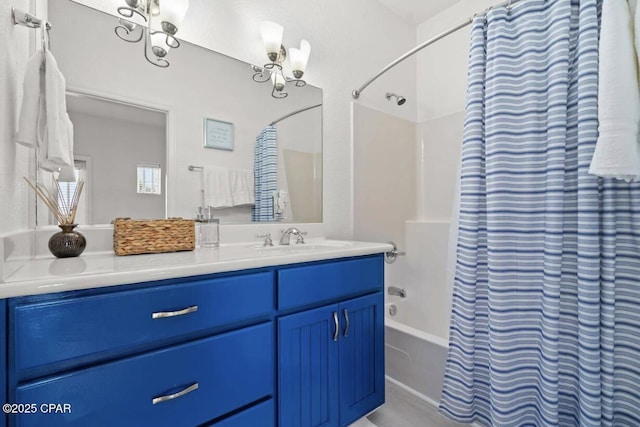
x: 303, y: 247
x: 334, y: 244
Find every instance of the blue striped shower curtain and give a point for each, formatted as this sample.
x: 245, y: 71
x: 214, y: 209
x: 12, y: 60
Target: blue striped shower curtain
x: 545, y: 325
x: 265, y: 174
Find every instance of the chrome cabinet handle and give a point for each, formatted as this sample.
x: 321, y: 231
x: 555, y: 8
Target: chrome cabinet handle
x: 181, y: 393
x: 163, y: 314
x: 346, y: 319
x: 335, y: 321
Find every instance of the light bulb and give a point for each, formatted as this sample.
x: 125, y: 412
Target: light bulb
x: 299, y: 58
x: 272, y: 38
x: 172, y: 13
x: 159, y: 44
x: 278, y: 81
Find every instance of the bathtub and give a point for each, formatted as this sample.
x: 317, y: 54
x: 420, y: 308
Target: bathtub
x: 414, y: 360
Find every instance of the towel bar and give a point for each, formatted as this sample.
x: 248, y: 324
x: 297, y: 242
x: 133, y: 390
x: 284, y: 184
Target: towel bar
x: 391, y: 256
x: 27, y: 20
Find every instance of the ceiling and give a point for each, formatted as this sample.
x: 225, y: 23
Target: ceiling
x: 417, y: 11
x: 117, y: 111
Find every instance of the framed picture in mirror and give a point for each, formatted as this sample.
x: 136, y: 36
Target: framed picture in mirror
x: 218, y: 134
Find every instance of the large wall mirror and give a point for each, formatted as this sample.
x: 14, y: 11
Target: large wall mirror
x: 141, y: 131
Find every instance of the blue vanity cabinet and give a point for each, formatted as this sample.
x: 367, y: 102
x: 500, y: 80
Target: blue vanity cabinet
x: 361, y: 357
x: 3, y: 359
x: 185, y: 352
x: 291, y: 346
x: 261, y: 415
x: 308, y: 366
x: 331, y: 358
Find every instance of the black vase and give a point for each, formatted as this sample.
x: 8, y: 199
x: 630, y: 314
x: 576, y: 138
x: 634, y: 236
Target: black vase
x: 67, y: 243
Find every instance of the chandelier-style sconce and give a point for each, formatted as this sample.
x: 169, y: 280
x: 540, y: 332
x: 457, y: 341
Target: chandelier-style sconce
x: 162, y: 19
x: 272, y: 38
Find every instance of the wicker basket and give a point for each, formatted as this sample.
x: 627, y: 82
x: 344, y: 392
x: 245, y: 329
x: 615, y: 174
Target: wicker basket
x: 151, y: 236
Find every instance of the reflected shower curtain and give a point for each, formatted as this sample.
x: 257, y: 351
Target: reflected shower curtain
x: 265, y: 174
x: 545, y: 325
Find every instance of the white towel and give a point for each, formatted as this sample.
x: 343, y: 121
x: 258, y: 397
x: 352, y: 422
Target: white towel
x: 617, y: 152
x: 242, y: 187
x: 217, y: 187
x: 59, y: 133
x: 44, y: 123
x: 32, y: 118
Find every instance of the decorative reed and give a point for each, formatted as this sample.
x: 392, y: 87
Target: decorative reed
x: 64, y: 212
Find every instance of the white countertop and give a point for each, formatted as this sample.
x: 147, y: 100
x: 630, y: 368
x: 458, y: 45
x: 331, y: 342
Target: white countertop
x: 45, y: 275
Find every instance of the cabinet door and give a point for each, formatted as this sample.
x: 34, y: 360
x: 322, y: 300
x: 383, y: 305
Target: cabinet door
x: 308, y: 369
x: 361, y: 356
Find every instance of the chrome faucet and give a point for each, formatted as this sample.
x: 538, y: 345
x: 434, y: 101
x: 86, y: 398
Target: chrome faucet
x: 286, y: 236
x: 394, y: 290
x: 267, y: 239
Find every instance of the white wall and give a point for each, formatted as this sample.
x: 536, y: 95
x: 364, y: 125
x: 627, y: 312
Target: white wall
x: 351, y: 41
x: 384, y: 174
x: 442, y: 67
x: 115, y: 148
x: 384, y: 182
x: 16, y: 45
x: 442, y: 86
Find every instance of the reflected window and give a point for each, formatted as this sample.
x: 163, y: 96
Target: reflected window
x: 149, y: 179
x: 68, y: 189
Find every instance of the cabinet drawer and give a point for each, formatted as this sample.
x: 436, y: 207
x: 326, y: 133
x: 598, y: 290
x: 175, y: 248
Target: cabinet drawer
x: 231, y: 370
x: 314, y: 285
x: 91, y: 328
x: 261, y: 415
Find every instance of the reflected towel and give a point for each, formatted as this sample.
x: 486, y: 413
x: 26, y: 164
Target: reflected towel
x: 617, y: 153
x: 217, y: 187
x: 32, y: 118
x: 242, y: 187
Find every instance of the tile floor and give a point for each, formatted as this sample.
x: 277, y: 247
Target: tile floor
x: 403, y: 409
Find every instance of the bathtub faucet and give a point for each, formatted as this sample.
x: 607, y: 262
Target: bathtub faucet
x: 394, y: 290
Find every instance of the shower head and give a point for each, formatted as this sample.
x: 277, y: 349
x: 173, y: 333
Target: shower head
x: 400, y: 100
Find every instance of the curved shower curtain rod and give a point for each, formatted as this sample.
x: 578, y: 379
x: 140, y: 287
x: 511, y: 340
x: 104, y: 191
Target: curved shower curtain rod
x: 302, y: 110
x: 356, y: 93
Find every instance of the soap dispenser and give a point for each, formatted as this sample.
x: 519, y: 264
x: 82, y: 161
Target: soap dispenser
x: 209, y: 229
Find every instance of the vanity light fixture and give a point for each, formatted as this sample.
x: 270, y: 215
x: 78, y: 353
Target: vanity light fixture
x: 162, y: 18
x: 272, y: 38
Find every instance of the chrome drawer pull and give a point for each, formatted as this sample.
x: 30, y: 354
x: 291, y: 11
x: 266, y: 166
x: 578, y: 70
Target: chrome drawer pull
x: 168, y: 397
x: 335, y: 321
x: 346, y: 319
x: 162, y: 314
